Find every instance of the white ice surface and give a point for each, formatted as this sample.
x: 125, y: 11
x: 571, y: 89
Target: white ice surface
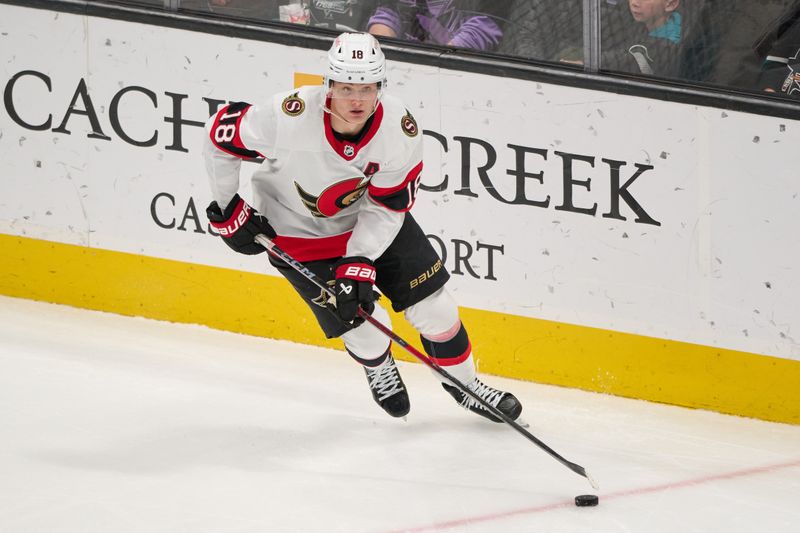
x: 111, y: 424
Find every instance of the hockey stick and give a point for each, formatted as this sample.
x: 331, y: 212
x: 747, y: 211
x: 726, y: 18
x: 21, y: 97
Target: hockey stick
x: 273, y: 249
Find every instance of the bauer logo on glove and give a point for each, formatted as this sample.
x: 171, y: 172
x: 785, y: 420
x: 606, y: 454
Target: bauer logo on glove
x: 360, y: 273
x: 240, y: 217
x: 355, y: 278
x: 239, y: 224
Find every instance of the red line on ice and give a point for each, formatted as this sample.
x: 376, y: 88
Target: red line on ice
x: 603, y: 497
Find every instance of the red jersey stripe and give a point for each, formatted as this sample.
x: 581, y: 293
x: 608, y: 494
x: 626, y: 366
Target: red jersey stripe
x: 314, y: 248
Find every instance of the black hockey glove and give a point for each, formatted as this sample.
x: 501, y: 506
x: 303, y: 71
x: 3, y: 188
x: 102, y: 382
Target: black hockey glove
x: 239, y: 225
x: 355, y: 277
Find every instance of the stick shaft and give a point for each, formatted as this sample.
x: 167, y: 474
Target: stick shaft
x: 273, y: 249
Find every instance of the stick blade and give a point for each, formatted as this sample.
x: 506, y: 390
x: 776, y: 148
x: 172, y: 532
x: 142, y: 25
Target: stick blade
x: 578, y: 469
x: 592, y: 481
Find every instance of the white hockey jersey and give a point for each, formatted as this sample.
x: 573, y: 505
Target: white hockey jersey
x: 325, y: 197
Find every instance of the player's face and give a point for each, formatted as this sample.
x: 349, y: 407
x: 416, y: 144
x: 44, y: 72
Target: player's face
x: 354, y: 101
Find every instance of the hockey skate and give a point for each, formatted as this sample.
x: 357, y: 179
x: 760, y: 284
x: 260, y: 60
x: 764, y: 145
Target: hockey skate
x: 388, y: 389
x: 505, y: 402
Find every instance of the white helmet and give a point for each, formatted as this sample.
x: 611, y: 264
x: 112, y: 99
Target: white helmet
x: 356, y: 58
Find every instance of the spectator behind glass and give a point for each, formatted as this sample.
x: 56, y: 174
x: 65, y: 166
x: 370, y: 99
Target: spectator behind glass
x: 780, y: 50
x: 653, y: 45
x: 341, y: 15
x: 251, y: 9
x: 643, y: 38
x: 461, y: 23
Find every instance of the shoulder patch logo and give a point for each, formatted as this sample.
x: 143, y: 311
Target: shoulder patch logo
x: 293, y: 105
x: 409, y: 125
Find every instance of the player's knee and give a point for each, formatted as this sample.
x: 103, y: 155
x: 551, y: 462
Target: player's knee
x: 435, y: 316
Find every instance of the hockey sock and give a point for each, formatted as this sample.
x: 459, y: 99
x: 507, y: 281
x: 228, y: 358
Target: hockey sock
x: 453, y: 352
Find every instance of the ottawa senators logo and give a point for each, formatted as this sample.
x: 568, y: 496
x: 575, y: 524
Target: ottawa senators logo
x: 335, y: 198
x: 293, y: 105
x: 409, y: 125
x: 325, y: 299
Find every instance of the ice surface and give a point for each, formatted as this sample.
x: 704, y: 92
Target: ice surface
x: 113, y: 424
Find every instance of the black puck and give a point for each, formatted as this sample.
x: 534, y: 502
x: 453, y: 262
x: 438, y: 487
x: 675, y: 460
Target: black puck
x: 586, y: 500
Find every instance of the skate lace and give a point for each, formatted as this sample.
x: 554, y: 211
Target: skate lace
x: 385, y: 380
x: 487, y: 393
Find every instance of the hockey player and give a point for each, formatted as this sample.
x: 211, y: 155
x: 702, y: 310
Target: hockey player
x: 342, y: 166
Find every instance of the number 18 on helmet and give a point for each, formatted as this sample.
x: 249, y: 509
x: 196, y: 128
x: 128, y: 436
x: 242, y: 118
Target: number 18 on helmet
x: 356, y: 58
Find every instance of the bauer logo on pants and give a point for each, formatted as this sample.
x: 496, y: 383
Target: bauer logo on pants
x: 425, y: 276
